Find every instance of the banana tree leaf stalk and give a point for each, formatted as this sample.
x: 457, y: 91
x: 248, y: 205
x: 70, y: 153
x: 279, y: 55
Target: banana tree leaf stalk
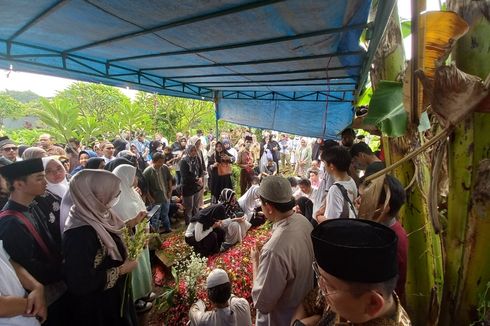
x: 424, y: 275
x: 467, y: 267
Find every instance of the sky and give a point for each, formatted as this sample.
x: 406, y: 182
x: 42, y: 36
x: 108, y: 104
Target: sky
x: 48, y: 86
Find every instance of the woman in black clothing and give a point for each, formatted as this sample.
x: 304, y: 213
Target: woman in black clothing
x: 96, y: 261
x: 204, y: 232
x: 219, y: 182
x: 191, y: 171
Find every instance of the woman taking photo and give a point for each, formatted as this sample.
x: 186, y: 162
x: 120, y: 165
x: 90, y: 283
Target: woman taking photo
x: 219, y: 164
x: 95, y: 256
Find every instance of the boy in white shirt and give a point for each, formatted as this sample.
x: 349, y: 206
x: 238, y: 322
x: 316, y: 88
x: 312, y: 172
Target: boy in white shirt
x: 343, y: 192
x: 229, y: 310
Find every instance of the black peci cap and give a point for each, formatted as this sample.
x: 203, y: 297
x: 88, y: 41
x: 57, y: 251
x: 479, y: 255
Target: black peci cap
x: 356, y: 250
x: 23, y: 168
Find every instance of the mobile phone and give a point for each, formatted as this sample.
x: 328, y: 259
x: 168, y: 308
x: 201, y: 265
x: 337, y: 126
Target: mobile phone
x: 153, y: 211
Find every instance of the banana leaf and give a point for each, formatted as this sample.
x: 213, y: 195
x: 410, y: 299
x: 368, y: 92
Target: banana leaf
x: 386, y: 109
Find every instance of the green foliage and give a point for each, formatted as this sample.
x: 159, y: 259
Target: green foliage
x: 129, y: 117
x: 406, y: 28
x: 61, y: 116
x: 22, y: 96
x: 365, y: 97
x: 483, y: 307
x: 24, y: 136
x: 96, y: 100
x: 173, y: 114
x: 10, y: 107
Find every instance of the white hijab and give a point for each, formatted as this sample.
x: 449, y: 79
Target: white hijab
x: 130, y: 202
x: 248, y: 201
x: 58, y: 189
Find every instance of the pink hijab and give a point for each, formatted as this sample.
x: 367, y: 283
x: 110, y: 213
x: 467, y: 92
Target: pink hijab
x: 92, y: 192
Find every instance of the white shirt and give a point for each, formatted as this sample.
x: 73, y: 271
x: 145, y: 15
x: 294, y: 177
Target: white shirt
x: 233, y: 152
x: 236, y: 314
x: 320, y: 195
x: 335, y: 200
x: 196, y: 229
x: 284, y: 275
x: 11, y: 286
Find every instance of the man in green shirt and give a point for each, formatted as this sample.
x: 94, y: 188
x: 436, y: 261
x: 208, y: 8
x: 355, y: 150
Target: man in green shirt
x: 159, y: 181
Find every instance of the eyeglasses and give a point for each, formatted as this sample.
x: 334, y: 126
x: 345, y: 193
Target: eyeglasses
x: 319, y: 276
x: 316, y: 271
x: 10, y: 149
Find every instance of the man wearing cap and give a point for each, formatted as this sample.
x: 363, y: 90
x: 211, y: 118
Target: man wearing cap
x: 358, y: 290
x: 9, y: 149
x: 281, y: 268
x: 229, y: 309
x: 25, y: 235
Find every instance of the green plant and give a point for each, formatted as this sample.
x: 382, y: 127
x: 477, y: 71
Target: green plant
x: 483, y: 308
x: 24, y: 136
x: 60, y: 115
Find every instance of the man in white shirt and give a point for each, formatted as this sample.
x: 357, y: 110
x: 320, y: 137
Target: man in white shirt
x: 343, y: 192
x: 305, y: 189
x: 228, y: 309
x: 16, y: 306
x: 281, y: 268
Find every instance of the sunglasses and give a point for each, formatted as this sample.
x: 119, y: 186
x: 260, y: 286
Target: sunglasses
x: 8, y: 149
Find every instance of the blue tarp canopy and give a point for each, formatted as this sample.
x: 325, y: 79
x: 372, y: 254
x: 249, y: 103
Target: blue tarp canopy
x: 293, y: 65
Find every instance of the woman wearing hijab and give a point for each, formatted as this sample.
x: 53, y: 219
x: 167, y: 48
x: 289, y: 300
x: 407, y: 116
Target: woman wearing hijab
x: 83, y: 157
x: 132, y: 210
x: 303, y: 162
x: 95, y: 163
x: 196, y: 141
x: 235, y: 225
x: 191, y: 172
x: 219, y: 182
x: 250, y: 200
x: 204, y: 233
x: 95, y: 255
x: 50, y: 202
x: 304, y: 206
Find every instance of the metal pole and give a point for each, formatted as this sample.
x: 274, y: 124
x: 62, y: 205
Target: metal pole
x: 215, y: 99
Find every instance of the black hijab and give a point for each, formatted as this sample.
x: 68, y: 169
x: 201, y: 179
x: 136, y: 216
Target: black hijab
x: 116, y: 162
x: 306, y: 207
x: 209, y: 215
x: 94, y: 163
x: 217, y: 155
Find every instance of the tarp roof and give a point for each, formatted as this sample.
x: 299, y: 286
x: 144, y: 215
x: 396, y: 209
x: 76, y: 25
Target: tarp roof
x: 290, y: 65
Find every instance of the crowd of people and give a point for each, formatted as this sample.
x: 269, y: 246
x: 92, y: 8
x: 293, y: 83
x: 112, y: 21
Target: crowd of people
x: 64, y: 207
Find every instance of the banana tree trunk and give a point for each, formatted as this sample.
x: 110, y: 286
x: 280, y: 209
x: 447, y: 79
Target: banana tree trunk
x: 467, y: 267
x: 425, y: 272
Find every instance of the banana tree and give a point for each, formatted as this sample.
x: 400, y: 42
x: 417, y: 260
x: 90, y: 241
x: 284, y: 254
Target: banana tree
x: 467, y: 270
x: 424, y: 275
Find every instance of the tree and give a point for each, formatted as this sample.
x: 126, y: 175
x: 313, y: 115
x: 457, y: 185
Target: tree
x: 96, y: 100
x: 174, y: 114
x: 10, y: 107
x: 61, y: 116
x: 22, y: 96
